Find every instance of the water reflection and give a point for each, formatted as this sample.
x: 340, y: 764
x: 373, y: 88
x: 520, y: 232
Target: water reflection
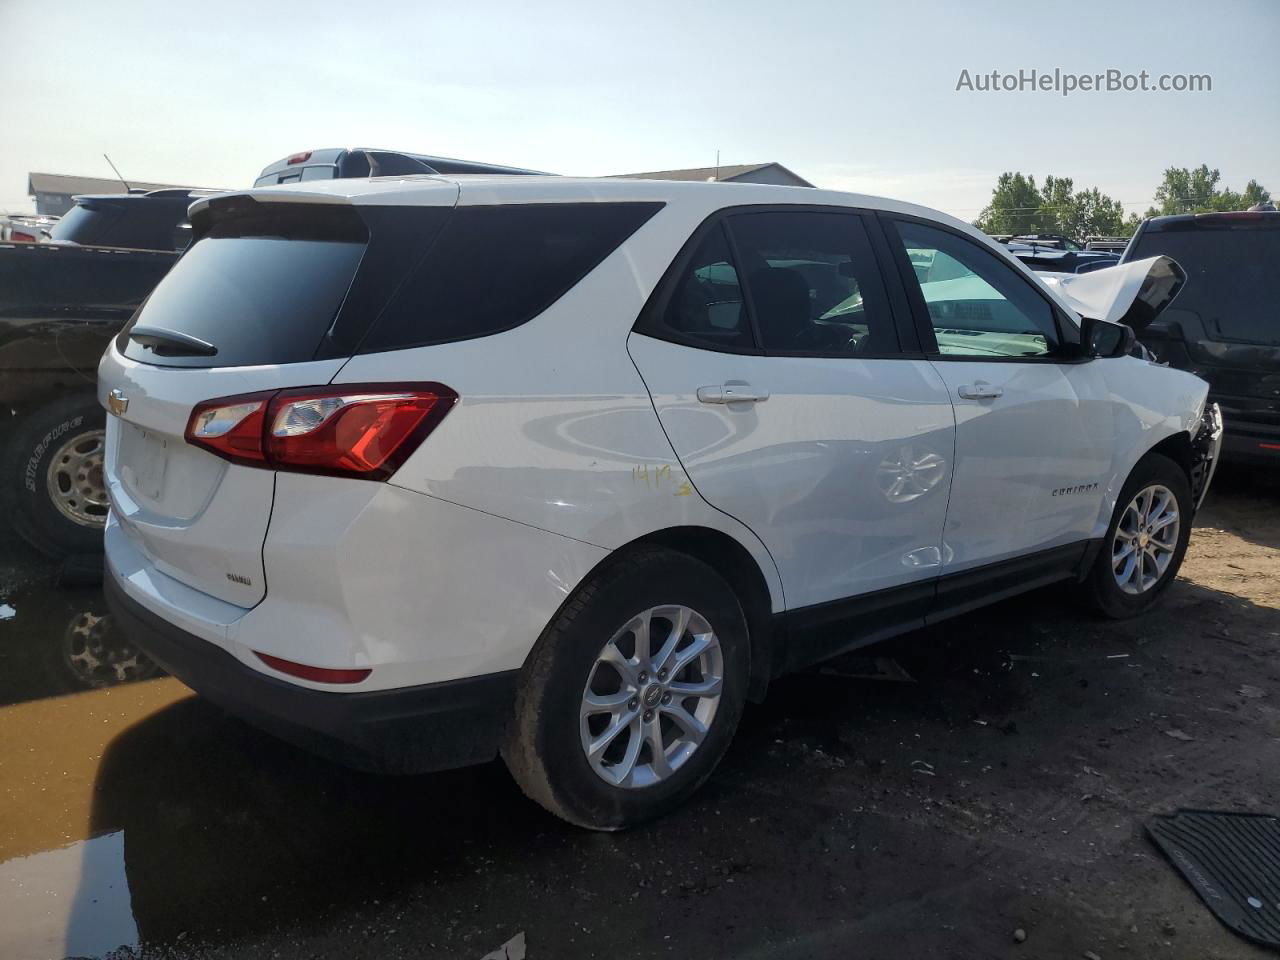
x: 56, y: 640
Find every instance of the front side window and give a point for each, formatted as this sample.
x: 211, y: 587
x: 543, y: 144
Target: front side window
x: 814, y: 283
x: 978, y: 305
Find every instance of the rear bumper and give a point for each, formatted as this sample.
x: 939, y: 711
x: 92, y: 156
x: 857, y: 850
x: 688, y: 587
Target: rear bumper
x: 417, y: 729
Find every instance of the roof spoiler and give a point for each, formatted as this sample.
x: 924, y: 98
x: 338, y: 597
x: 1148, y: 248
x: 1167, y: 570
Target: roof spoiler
x: 1130, y: 293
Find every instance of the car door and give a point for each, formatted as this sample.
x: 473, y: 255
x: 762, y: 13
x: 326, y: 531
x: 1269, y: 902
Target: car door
x: 778, y: 371
x: 1033, y: 422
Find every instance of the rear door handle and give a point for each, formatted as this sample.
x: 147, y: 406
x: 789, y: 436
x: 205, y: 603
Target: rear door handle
x: 732, y: 392
x: 980, y: 391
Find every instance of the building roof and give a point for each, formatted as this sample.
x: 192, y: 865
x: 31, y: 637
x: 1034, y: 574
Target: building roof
x: 724, y: 173
x: 61, y: 183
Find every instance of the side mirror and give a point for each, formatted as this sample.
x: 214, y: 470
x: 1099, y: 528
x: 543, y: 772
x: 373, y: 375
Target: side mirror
x: 1102, y: 338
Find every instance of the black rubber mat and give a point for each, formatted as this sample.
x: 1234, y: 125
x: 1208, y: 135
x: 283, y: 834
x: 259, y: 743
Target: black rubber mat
x: 1233, y: 861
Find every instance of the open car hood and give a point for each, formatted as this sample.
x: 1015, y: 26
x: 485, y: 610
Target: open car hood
x: 1130, y: 293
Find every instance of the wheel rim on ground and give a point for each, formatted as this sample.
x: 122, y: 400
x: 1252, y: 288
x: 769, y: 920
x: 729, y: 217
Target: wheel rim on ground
x: 75, y: 482
x: 1145, y: 539
x: 646, y: 711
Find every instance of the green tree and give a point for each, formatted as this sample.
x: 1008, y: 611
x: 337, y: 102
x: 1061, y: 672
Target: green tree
x: 1014, y: 207
x: 1017, y: 206
x: 1196, y: 190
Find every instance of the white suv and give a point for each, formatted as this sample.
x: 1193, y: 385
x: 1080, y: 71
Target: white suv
x: 421, y: 471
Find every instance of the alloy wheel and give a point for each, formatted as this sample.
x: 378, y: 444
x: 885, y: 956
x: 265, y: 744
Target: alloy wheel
x: 651, y: 696
x: 1146, y: 539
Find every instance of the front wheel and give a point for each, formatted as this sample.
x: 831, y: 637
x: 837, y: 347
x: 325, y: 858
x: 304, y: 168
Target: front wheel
x: 632, y: 695
x: 52, y: 486
x: 1146, y: 540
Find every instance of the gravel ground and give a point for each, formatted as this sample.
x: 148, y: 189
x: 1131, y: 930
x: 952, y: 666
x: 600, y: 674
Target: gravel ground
x: 999, y: 784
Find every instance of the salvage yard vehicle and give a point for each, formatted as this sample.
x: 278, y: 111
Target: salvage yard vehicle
x: 61, y: 302
x: 417, y: 472
x: 362, y: 162
x: 1225, y: 326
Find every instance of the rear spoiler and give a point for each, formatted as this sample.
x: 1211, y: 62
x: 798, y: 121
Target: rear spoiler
x: 1130, y: 293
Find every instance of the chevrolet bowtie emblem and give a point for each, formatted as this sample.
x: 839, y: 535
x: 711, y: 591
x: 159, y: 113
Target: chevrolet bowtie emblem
x: 118, y: 402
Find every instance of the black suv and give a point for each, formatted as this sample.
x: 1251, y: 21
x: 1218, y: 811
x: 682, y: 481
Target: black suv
x: 1225, y: 324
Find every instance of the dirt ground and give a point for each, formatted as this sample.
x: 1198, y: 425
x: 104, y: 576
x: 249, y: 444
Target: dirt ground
x: 995, y: 778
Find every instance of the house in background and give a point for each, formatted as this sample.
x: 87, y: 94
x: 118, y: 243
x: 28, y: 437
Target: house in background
x: 774, y: 173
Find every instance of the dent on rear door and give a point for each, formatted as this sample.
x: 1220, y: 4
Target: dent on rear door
x: 843, y: 472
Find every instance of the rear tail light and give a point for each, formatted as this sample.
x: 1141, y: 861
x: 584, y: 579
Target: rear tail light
x: 347, y: 430
x: 299, y: 158
x: 19, y: 237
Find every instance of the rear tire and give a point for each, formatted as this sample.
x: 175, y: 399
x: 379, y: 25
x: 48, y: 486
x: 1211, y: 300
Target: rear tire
x: 51, y: 483
x: 1141, y: 554
x: 588, y: 682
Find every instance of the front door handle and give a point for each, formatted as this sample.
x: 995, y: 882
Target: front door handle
x: 735, y: 391
x: 980, y: 391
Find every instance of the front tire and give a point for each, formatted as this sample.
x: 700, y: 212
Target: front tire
x: 1146, y: 541
x: 632, y: 695
x: 52, y: 485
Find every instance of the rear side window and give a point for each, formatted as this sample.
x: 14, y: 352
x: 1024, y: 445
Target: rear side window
x: 494, y: 268
x: 705, y: 307
x: 261, y: 289
x: 1230, y: 277
x: 814, y: 283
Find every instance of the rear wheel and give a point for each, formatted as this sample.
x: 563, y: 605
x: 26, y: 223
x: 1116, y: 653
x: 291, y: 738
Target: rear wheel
x: 52, y: 484
x: 632, y: 695
x: 1146, y: 541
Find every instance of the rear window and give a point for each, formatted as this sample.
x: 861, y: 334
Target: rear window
x: 494, y: 268
x: 261, y: 289
x: 87, y: 226
x: 1230, y: 272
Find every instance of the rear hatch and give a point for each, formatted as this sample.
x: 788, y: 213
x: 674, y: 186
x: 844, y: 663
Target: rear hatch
x: 1225, y: 323
x: 275, y: 292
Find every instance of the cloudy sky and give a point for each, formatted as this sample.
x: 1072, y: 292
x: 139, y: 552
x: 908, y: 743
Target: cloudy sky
x: 851, y: 95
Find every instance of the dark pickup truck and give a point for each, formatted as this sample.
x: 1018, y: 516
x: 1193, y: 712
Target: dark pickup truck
x: 60, y: 302
x: 1225, y: 324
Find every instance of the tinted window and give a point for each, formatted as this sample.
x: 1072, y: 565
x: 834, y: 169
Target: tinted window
x: 1229, y: 278
x: 87, y: 226
x: 494, y: 268
x: 325, y: 172
x: 261, y: 289
x: 978, y: 305
x: 705, y: 305
x: 814, y: 283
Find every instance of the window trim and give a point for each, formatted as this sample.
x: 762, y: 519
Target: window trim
x: 1069, y: 350
x: 649, y: 322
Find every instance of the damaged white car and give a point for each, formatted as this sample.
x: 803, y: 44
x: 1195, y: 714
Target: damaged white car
x: 422, y: 471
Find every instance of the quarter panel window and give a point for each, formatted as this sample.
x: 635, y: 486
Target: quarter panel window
x: 705, y: 307
x: 493, y: 268
x: 814, y: 283
x: 978, y: 306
